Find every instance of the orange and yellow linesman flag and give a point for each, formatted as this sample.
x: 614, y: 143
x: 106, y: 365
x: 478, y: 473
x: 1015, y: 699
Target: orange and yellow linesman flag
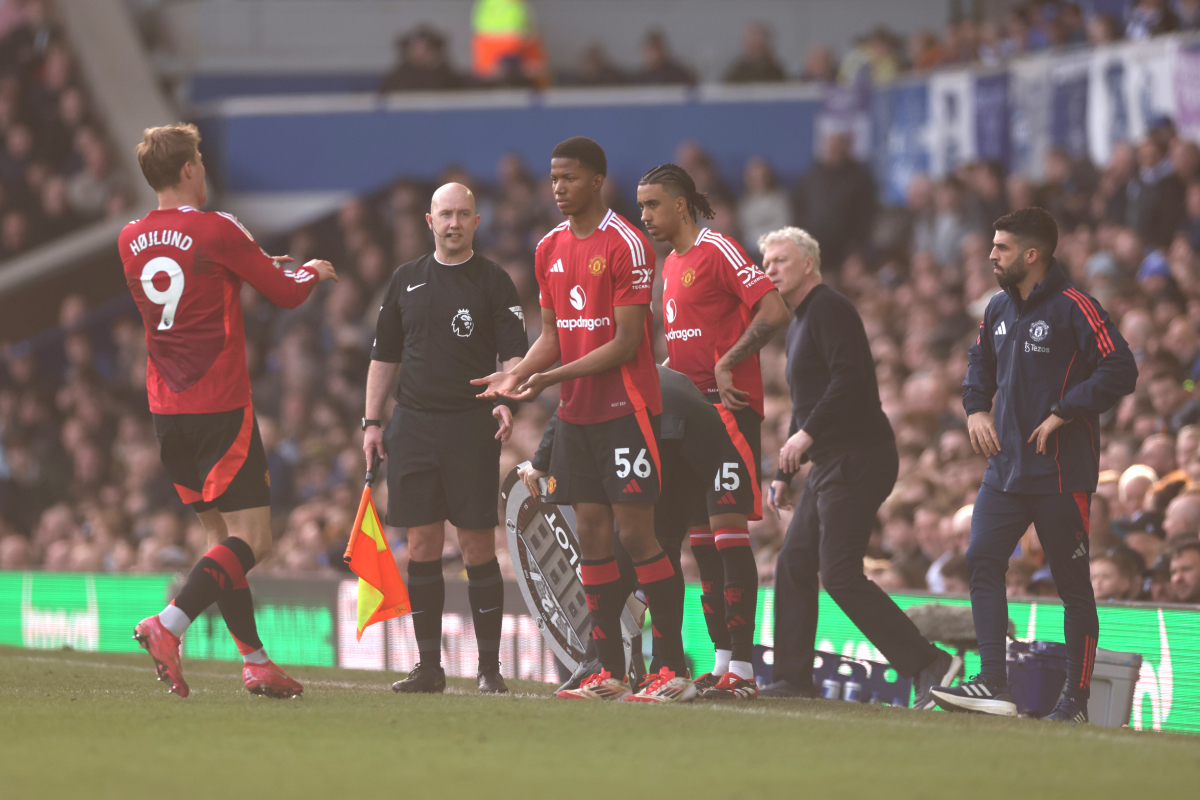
x: 381, y: 591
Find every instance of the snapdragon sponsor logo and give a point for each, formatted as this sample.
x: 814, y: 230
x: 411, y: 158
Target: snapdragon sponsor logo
x: 588, y: 323
x: 683, y: 334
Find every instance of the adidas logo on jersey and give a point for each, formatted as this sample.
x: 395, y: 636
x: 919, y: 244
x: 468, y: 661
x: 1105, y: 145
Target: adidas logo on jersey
x: 727, y: 499
x: 632, y: 488
x: 558, y: 267
x: 1080, y: 552
x: 1001, y: 329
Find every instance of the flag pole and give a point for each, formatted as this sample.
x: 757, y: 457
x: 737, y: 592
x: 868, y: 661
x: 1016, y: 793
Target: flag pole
x: 362, y: 505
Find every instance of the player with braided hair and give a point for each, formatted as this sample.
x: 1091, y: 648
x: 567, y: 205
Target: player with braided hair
x: 719, y: 310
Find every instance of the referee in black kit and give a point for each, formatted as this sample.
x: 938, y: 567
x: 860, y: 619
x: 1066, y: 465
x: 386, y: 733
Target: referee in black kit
x: 445, y: 319
x: 838, y: 422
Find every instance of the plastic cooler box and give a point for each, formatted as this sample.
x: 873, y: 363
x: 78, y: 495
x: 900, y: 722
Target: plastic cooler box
x: 1037, y: 672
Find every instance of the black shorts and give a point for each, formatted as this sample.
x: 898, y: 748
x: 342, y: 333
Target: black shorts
x: 735, y: 486
x: 215, y: 460
x: 606, y: 462
x: 443, y: 466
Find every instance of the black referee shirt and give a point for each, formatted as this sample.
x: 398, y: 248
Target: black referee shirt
x: 831, y: 374
x: 447, y: 324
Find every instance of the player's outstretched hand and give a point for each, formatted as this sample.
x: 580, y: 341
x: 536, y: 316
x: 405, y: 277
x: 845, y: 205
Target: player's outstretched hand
x: 791, y: 456
x: 732, y: 398
x: 324, y: 269
x: 499, y: 384
x: 1042, y: 432
x: 780, y: 497
x: 533, y: 386
x: 504, y: 415
x: 373, y: 444
x: 530, y: 477
x: 282, y: 260
x: 982, y: 429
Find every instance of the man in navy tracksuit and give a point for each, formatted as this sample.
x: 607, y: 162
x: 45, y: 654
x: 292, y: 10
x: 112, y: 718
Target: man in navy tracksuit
x: 1052, y: 361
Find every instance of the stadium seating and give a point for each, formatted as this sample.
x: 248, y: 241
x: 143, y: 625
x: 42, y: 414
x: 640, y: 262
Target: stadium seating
x: 80, y: 483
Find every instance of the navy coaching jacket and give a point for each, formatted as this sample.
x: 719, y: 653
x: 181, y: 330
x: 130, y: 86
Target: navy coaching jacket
x: 1058, y: 346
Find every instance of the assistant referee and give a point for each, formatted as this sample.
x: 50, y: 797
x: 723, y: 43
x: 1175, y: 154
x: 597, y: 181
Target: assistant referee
x: 445, y: 319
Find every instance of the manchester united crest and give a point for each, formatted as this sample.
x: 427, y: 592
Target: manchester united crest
x: 551, y: 485
x: 597, y: 265
x: 688, y: 277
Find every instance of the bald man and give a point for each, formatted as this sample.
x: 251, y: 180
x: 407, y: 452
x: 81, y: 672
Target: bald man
x: 446, y: 319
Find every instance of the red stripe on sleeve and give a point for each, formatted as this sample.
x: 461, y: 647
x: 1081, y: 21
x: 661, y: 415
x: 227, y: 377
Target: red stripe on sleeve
x: 1093, y: 317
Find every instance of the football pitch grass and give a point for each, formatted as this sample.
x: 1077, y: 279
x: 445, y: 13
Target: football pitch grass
x: 99, y: 726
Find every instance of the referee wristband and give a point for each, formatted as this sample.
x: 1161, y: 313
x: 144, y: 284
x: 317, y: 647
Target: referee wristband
x: 366, y: 423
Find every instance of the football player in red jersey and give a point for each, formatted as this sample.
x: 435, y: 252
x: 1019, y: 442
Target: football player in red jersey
x: 185, y: 268
x: 595, y: 273
x: 719, y: 309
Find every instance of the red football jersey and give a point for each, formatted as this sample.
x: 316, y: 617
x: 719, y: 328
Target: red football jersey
x: 185, y: 268
x: 582, y: 281
x: 708, y: 295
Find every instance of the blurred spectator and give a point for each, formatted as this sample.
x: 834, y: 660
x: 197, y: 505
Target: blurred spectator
x: 925, y: 50
x: 764, y: 206
x: 835, y: 201
x: 55, y: 171
x: 1103, y: 29
x: 757, y: 62
x: 1182, y: 517
x: 422, y: 64
x: 1156, y: 196
x: 873, y: 60
x: 595, y: 68
x: 1185, y: 571
x: 954, y: 575
x: 658, y: 65
x: 1188, y: 12
x: 1117, y: 575
x: 820, y: 65
x: 1150, y: 18
x: 506, y: 48
x: 1019, y: 576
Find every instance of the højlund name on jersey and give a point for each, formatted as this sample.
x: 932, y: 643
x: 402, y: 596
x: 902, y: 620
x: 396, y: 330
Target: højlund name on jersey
x: 169, y: 238
x: 591, y: 323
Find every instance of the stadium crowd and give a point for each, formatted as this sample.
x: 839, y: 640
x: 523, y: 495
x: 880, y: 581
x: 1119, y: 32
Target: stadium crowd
x: 56, y: 169
x: 879, y: 56
x: 81, y: 486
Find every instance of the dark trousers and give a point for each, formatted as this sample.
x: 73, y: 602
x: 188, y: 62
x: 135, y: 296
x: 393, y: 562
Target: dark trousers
x: 828, y: 536
x: 1061, y: 521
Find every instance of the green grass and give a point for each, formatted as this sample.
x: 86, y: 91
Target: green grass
x: 99, y: 726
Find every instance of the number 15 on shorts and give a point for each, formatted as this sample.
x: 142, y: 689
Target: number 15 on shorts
x: 727, y: 478
x: 640, y: 466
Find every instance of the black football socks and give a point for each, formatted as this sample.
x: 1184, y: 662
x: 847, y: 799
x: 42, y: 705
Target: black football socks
x: 485, y: 590
x: 427, y: 595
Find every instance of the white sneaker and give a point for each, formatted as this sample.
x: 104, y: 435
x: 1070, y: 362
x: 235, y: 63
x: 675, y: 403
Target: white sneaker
x: 666, y: 688
x: 601, y: 686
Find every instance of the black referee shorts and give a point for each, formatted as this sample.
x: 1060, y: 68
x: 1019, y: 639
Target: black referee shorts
x: 443, y: 466
x: 215, y: 460
x: 606, y: 462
